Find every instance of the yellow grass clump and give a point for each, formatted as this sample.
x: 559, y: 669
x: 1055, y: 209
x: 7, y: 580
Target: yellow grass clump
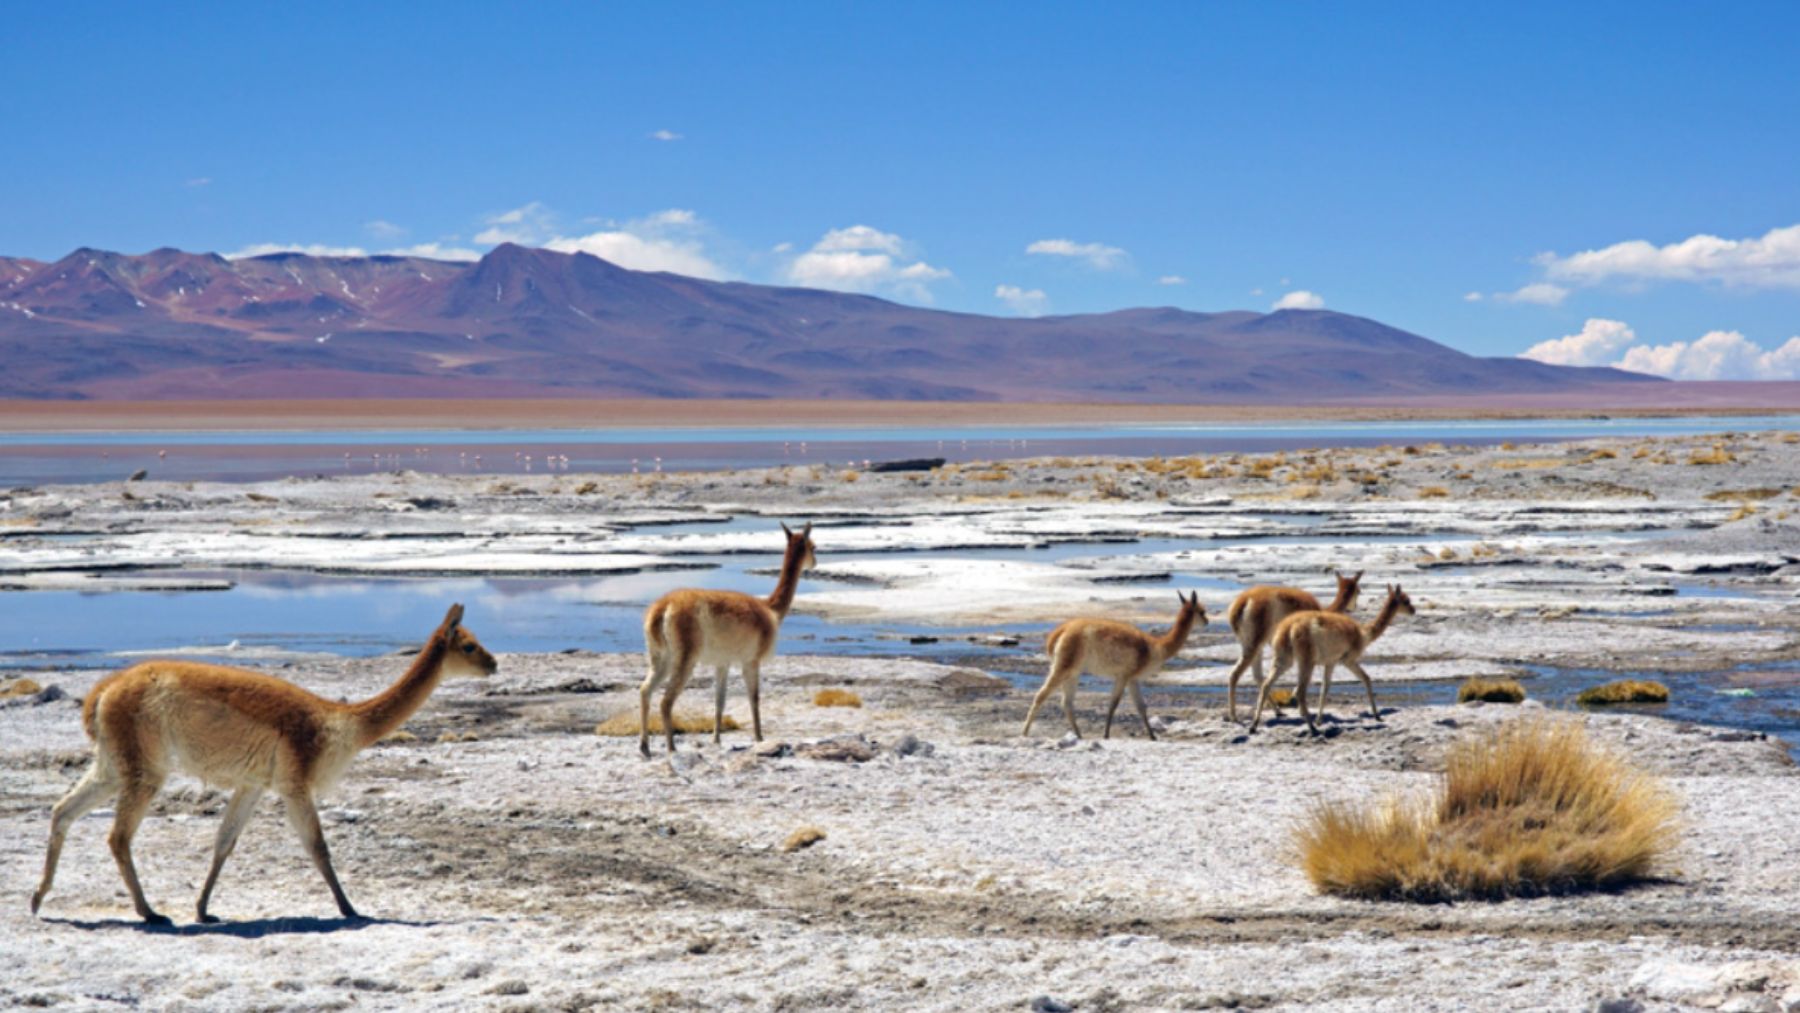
x: 1530, y: 809
x: 1742, y: 495
x: 1528, y: 463
x: 836, y: 698
x: 1717, y: 455
x: 1624, y: 691
x: 20, y: 687
x: 1281, y: 699
x: 1602, y: 454
x: 850, y: 476
x: 1741, y: 512
x: 625, y: 724
x: 1491, y: 691
x: 1434, y: 492
x: 804, y: 837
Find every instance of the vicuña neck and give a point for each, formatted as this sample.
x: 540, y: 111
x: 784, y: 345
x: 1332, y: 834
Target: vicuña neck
x: 389, y: 709
x: 1169, y: 643
x: 1374, y: 630
x: 1342, y: 602
x: 782, y: 598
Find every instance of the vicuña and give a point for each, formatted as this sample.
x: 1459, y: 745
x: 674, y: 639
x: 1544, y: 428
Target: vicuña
x: 1256, y: 612
x: 238, y: 729
x: 1119, y: 650
x: 720, y: 628
x: 1311, y: 639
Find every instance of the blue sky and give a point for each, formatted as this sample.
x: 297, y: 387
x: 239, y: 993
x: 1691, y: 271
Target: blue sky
x: 1394, y: 160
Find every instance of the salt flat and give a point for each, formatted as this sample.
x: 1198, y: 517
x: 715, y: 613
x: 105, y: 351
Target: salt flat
x: 510, y: 858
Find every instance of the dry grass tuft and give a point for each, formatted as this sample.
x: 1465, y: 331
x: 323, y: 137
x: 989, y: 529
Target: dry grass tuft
x: 1717, y: 455
x: 1491, y: 691
x: 1602, y: 454
x: 850, y: 476
x: 804, y: 837
x: 20, y: 687
x: 1281, y: 699
x: 836, y: 698
x: 1528, y: 463
x: 1434, y: 492
x: 1533, y: 808
x: 1742, y: 495
x: 1624, y: 691
x: 625, y: 723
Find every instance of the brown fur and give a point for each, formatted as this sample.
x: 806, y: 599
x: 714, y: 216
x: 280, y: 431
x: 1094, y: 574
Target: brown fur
x: 239, y: 729
x: 1311, y: 639
x: 692, y: 626
x: 1256, y: 612
x: 1119, y: 650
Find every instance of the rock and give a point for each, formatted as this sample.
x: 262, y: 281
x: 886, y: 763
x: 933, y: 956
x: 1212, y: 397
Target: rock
x: 1675, y: 982
x: 911, y: 745
x: 843, y: 749
x: 1621, y: 1004
x: 772, y: 750
x: 139, y: 475
x: 1069, y: 741
x: 802, y: 837
x: 1045, y: 1004
x: 908, y: 464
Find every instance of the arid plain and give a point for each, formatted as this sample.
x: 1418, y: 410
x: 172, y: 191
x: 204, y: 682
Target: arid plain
x: 510, y: 857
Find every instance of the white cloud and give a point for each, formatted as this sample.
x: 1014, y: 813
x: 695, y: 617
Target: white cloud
x: 198, y: 181
x: 860, y: 237
x: 1099, y: 256
x: 1171, y: 279
x: 1718, y: 355
x: 1598, y: 341
x: 664, y: 135
x: 1300, y: 299
x: 1538, y: 293
x: 665, y: 241
x: 310, y: 249
x: 434, y: 251
x: 1025, y: 302
x: 1472, y: 297
x: 864, y: 259
x: 382, y: 229
x: 527, y: 225
x: 1769, y: 261
x: 781, y: 247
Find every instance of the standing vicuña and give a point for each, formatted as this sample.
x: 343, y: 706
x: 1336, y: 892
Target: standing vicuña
x: 719, y: 628
x: 1115, y: 649
x: 1256, y: 612
x: 1329, y: 639
x: 243, y: 730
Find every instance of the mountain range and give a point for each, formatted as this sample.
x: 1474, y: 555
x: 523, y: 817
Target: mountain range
x: 525, y: 322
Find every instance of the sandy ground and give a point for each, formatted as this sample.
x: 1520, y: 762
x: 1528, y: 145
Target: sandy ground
x: 1716, y: 398
x: 510, y: 858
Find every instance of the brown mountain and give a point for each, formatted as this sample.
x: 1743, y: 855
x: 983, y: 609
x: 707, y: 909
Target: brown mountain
x: 524, y: 322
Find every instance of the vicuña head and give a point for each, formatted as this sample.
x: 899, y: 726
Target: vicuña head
x: 1119, y: 650
x: 693, y: 626
x: 243, y: 730
x: 1256, y: 612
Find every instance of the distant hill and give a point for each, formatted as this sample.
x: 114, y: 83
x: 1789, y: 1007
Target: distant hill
x: 531, y: 322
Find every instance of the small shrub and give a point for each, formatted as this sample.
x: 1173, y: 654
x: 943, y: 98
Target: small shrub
x: 850, y: 476
x: 625, y: 724
x: 1434, y: 492
x: 20, y: 687
x: 1624, y: 691
x: 1528, y: 463
x: 1602, y: 454
x: 804, y: 837
x: 1530, y: 809
x: 1742, y: 495
x: 590, y: 488
x: 1741, y: 512
x: 1281, y: 699
x: 1717, y: 455
x: 1491, y: 691
x: 836, y: 698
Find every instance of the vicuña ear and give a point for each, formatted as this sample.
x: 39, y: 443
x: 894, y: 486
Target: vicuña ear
x: 1358, y: 576
x: 806, y: 532
x: 453, y: 618
x: 785, y: 531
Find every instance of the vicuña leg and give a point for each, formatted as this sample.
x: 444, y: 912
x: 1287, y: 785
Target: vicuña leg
x: 1112, y: 705
x: 1305, y: 677
x: 95, y: 787
x: 1245, y: 660
x: 304, y: 818
x: 1137, y: 697
x: 719, y: 675
x: 237, y: 813
x: 659, y: 671
x: 1324, y: 688
x: 134, y: 801
x: 684, y: 667
x: 1068, y: 700
x: 1356, y: 666
x: 1262, y: 695
x: 753, y: 689
x: 1053, y: 681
